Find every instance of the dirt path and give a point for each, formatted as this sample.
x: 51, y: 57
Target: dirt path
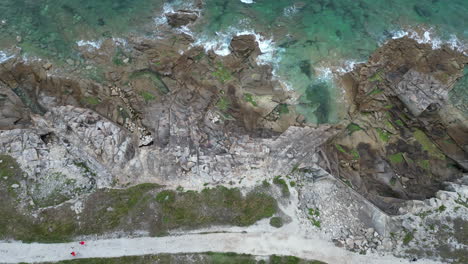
x: 248, y: 243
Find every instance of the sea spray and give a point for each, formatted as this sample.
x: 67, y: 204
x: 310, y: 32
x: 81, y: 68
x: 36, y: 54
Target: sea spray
x: 5, y: 56
x: 429, y: 36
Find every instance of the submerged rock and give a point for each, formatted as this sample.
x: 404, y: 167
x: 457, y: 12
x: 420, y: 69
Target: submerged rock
x: 181, y: 18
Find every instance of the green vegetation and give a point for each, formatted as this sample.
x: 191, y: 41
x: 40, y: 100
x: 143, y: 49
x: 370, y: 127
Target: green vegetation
x: 283, y: 109
x: 199, y: 56
x: 96, y: 74
x: 354, y: 153
x: 137, y: 208
x: 292, y: 183
x: 216, y: 206
x: 117, y: 58
x: 399, y: 123
x: 384, y: 135
x: 314, y: 214
x: 341, y: 149
x: 223, y: 103
x: 282, y: 183
x: 166, y: 196
x: 248, y: 97
x: 428, y: 145
x: 147, y: 96
x: 396, y: 158
x: 195, y: 258
x: 351, y: 128
x: 291, y: 260
x: 424, y: 214
x: 276, y: 222
x: 84, y: 168
x: 425, y: 164
x: 441, y: 208
x: 393, y: 181
x: 91, y: 100
x: 123, y: 112
x: 377, y: 77
x: 460, y: 200
x: 154, y: 77
x: 222, y: 73
x: 375, y: 91
x: 389, y: 106
x: 408, y: 237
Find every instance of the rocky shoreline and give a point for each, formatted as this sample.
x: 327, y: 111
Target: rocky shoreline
x: 163, y: 111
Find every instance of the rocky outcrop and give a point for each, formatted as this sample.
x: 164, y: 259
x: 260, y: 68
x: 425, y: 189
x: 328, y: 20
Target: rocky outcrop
x: 244, y: 45
x: 181, y: 18
x: 159, y: 116
x: 400, y: 143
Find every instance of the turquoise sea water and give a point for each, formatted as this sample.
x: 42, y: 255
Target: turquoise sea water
x: 306, y: 39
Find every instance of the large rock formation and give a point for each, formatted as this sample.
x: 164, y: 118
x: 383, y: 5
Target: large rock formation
x: 403, y: 139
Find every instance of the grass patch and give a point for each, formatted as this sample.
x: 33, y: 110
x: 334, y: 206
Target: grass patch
x: 408, y: 237
x: 376, y: 91
x: 292, y: 183
x: 462, y: 201
x: 424, y: 214
x: 354, y: 153
x: 314, y: 214
x: 222, y: 73
x: 248, y: 97
x: 196, y: 258
x: 351, y: 128
x: 166, y: 196
x: 384, y: 135
x: 425, y: 164
x: 396, y: 158
x: 283, y: 109
x: 154, y: 77
x: 218, y: 205
x: 399, y: 123
x: 141, y: 207
x: 377, y: 77
x: 282, y: 183
x: 90, y: 100
x: 428, y: 145
x: 276, y: 222
x: 223, y: 103
x: 291, y: 260
x: 340, y: 149
x: 441, y: 208
x: 147, y: 96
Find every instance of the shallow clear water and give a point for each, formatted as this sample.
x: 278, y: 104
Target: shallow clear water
x: 309, y: 38
x: 52, y: 27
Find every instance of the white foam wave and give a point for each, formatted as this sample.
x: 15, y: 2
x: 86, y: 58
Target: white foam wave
x: 90, y: 45
x: 220, y: 44
x: 120, y: 42
x: 329, y: 72
x: 162, y: 19
x: 247, y: 1
x: 290, y: 11
x: 171, y: 8
x: 429, y: 37
x: 4, y: 56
